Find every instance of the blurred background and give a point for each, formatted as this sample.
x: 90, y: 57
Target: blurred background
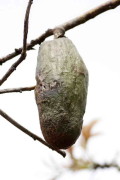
x: 95, y: 155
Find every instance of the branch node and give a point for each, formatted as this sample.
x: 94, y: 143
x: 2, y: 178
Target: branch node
x: 58, y: 32
x: 17, y: 51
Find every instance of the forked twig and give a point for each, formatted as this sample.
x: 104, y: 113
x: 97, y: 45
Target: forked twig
x: 23, y: 53
x: 66, y: 26
x: 13, y: 67
x: 29, y: 133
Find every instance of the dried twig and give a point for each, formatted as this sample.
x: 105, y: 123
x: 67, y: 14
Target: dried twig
x: 20, y: 90
x: 29, y: 133
x: 106, y: 165
x: 26, y: 26
x: 23, y: 53
x: 67, y: 26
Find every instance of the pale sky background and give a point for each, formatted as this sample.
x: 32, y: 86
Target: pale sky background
x: 98, y: 42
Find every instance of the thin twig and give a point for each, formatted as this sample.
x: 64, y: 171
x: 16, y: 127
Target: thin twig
x: 66, y: 26
x: 29, y: 133
x: 106, y: 165
x: 26, y: 21
x: 20, y: 90
x: 23, y: 53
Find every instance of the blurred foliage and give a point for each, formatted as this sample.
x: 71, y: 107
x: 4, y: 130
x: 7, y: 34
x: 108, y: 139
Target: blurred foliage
x: 87, y: 133
x: 84, y: 161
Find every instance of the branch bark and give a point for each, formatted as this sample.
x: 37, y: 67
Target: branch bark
x: 66, y: 26
x: 29, y: 133
x: 23, y: 52
x: 20, y: 90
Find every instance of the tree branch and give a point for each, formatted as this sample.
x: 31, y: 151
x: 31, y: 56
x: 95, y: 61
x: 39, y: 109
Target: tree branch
x: 91, y: 14
x: 67, y: 26
x: 29, y: 133
x: 23, y: 53
x: 20, y: 90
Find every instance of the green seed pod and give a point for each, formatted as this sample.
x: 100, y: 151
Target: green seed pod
x: 61, y: 92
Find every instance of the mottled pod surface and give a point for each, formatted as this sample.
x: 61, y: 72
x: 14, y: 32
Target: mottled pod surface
x: 61, y: 92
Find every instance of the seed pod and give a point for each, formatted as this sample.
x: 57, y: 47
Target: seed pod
x: 61, y: 92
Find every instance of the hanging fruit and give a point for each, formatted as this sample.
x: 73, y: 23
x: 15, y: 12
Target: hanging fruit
x: 61, y: 91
